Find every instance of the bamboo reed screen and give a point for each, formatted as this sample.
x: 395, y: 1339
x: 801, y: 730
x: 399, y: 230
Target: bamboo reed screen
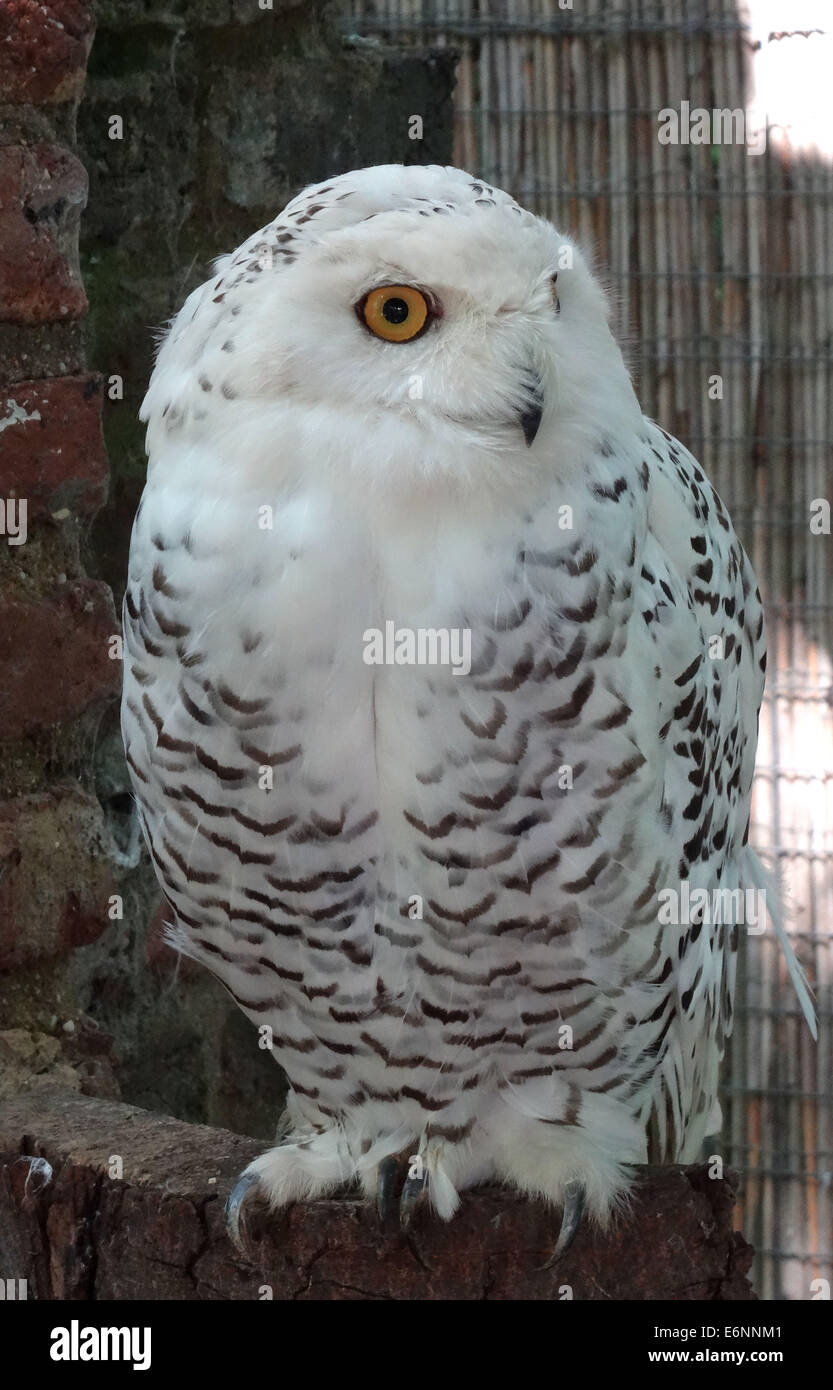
x: 720, y: 263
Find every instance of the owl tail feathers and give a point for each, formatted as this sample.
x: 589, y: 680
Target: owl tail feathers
x: 768, y: 884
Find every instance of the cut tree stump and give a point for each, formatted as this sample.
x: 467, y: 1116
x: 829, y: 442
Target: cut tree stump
x: 158, y: 1232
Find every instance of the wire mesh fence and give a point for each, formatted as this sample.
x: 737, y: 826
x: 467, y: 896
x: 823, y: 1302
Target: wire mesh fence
x: 716, y: 245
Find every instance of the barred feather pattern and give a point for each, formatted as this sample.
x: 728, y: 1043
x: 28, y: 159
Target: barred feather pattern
x: 440, y: 891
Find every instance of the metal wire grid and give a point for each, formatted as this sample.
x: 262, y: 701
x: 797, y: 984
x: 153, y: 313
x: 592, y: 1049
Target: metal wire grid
x: 719, y: 262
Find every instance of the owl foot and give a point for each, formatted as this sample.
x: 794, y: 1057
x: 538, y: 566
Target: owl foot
x: 393, y: 1179
x: 570, y: 1221
x: 298, y: 1170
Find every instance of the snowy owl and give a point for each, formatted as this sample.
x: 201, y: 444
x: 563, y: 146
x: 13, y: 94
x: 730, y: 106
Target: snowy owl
x: 442, y: 674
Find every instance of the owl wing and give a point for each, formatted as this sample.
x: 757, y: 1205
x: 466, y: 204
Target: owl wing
x: 698, y: 598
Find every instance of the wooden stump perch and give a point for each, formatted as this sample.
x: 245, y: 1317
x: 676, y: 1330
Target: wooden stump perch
x: 159, y: 1233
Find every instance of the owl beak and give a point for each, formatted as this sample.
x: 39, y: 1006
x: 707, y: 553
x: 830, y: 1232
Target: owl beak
x: 530, y: 418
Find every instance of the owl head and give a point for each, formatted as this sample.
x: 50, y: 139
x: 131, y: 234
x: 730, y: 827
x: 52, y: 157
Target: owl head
x: 398, y: 327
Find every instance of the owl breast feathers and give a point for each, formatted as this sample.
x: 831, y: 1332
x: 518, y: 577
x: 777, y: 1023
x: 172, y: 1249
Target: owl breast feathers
x: 472, y: 899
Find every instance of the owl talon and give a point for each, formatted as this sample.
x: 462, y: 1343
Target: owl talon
x: 414, y: 1196
x: 388, y: 1181
x: 234, y: 1209
x: 570, y: 1221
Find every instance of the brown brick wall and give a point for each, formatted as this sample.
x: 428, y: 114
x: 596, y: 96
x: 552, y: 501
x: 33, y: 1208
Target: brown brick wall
x: 56, y: 622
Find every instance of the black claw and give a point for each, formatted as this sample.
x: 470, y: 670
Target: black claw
x: 570, y: 1221
x: 234, y: 1207
x: 387, y: 1184
x: 413, y: 1196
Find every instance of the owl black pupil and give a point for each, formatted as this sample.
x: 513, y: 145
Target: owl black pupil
x: 395, y: 310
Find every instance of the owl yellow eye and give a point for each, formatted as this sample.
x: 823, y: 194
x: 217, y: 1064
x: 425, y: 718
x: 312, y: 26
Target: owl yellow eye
x: 396, y: 313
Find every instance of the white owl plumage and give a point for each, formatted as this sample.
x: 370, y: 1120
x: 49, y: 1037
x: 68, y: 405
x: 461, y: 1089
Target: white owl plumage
x: 440, y: 891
